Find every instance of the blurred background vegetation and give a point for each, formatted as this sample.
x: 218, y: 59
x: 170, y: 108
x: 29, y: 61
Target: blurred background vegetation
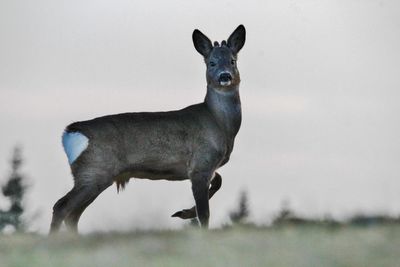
x: 14, y: 190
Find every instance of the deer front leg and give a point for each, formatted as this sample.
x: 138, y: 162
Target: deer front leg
x: 200, y: 182
x: 191, y: 213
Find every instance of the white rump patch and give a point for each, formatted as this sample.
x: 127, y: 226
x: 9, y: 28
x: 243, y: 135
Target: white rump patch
x: 74, y: 144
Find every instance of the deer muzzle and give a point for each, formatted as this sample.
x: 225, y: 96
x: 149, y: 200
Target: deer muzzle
x: 225, y: 79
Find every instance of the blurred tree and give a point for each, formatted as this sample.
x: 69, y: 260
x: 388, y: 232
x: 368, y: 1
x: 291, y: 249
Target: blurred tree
x: 14, y: 190
x: 242, y: 211
x: 285, y: 214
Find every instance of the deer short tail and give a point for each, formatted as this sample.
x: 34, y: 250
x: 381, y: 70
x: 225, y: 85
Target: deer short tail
x: 74, y: 144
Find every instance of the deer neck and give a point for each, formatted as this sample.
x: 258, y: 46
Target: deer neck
x: 226, y: 109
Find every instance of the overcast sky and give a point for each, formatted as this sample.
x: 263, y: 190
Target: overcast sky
x: 320, y: 93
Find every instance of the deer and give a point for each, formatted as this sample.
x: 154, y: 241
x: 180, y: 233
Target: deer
x: 187, y: 144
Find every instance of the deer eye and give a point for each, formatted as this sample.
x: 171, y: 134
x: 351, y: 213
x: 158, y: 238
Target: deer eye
x: 233, y: 62
x: 212, y: 64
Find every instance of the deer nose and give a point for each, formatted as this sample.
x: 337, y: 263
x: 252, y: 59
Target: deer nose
x: 225, y: 77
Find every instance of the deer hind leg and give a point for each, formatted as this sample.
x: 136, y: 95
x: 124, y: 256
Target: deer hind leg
x: 59, y: 211
x: 191, y: 213
x: 70, y: 207
x: 72, y: 219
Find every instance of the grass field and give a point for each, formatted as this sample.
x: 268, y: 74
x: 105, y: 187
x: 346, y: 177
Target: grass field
x: 376, y: 246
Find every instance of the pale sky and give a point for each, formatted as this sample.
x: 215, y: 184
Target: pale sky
x: 320, y: 92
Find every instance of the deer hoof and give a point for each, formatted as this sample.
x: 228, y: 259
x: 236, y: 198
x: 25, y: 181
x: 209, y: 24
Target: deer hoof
x: 185, y: 214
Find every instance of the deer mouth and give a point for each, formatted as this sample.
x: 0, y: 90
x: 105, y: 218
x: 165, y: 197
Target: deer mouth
x: 225, y: 83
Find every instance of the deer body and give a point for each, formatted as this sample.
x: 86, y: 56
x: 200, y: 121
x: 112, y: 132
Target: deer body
x: 191, y: 143
x: 156, y: 145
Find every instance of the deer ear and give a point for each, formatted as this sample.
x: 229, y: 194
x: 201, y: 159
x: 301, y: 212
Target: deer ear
x: 202, y: 44
x: 237, y: 39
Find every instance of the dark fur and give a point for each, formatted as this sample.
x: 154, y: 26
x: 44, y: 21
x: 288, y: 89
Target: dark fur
x: 191, y: 143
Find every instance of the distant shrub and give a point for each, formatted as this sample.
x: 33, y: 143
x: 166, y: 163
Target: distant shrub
x: 241, y: 213
x: 288, y: 217
x: 371, y: 220
x: 14, y: 189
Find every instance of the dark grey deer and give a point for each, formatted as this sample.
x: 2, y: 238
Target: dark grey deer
x: 191, y: 143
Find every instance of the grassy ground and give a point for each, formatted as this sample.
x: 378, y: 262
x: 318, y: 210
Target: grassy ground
x: 239, y: 246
